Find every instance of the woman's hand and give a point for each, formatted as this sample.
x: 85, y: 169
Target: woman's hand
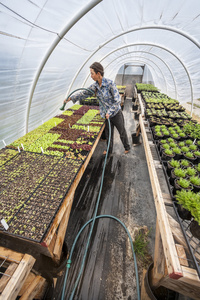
x: 66, y: 100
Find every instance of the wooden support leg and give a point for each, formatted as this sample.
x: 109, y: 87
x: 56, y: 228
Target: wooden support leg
x: 138, y: 129
x: 61, y: 232
x: 158, y: 270
x: 144, y: 295
x: 34, y: 288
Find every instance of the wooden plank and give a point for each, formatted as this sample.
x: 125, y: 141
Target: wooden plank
x: 10, y: 255
x: 184, y: 288
x: 182, y: 255
x: 135, y: 94
x: 29, y: 280
x: 157, y: 164
x: 52, y: 245
x: 122, y: 100
x: 167, y: 198
x: 66, y: 203
x: 144, y: 295
x: 31, y: 276
x: 13, y: 242
x: 158, y: 270
x: 34, y: 288
x: 177, y: 232
x: 61, y: 232
x: 138, y: 129
x: 17, y: 280
x: 7, y: 275
x: 141, y: 105
x: 173, y: 264
x: 191, y: 276
x: 179, y: 237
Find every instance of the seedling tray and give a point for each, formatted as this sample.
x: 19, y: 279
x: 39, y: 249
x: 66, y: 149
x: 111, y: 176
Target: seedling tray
x: 192, y: 242
x: 6, y: 155
x: 32, y: 190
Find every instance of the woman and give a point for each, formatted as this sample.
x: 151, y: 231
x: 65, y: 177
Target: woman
x: 110, y: 108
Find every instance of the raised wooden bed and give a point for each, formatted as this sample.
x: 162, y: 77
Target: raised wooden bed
x: 51, y: 243
x: 42, y: 188
x: 37, y: 190
x: 173, y: 267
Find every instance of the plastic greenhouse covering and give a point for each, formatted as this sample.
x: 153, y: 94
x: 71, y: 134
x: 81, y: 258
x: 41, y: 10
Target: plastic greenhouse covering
x: 47, y: 47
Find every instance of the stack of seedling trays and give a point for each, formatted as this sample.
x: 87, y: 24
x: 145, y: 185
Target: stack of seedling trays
x: 121, y: 89
x: 38, y: 169
x: 90, y: 101
x: 163, y: 110
x: 143, y: 88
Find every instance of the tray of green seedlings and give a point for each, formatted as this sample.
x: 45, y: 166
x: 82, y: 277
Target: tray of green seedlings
x: 146, y: 87
x: 34, y: 184
x: 19, y: 178
x: 178, y: 115
x: 6, y: 155
x: 78, y: 134
x: 187, y: 207
x: 157, y: 98
x: 90, y: 101
x: 25, y: 142
x: 84, y: 121
x: 56, y: 136
x: 33, y: 194
x: 65, y: 144
x: 186, y: 203
x: 121, y: 88
x: 75, y: 107
x: 155, y: 106
x: 174, y: 106
x: 157, y: 95
x: 160, y: 100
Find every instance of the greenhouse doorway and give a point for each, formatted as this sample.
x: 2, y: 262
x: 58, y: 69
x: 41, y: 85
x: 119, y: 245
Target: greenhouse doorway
x: 132, y: 73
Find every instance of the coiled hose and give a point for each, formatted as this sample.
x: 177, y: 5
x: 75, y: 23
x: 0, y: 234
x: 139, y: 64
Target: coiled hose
x: 95, y: 217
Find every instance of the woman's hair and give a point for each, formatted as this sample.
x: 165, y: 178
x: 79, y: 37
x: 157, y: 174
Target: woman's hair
x: 97, y: 67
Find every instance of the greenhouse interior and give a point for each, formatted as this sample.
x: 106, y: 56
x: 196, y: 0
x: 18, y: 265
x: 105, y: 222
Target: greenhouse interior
x: 100, y: 149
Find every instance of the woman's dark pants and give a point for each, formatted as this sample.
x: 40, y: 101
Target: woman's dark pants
x: 118, y: 122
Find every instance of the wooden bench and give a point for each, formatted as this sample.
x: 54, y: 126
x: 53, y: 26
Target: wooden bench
x: 52, y: 243
x: 171, y: 268
x: 17, y: 278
